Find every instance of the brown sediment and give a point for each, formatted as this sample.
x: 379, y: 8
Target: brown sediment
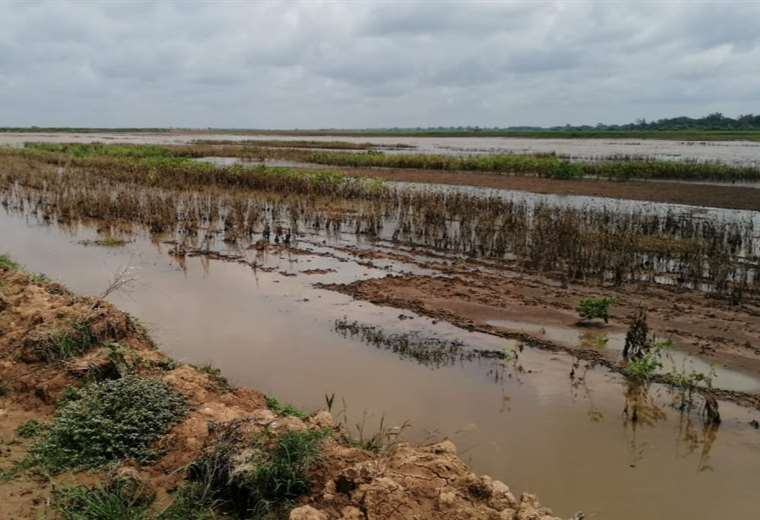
x: 401, y: 482
x: 477, y: 300
x: 692, y: 194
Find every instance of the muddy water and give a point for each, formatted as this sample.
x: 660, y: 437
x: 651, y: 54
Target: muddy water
x: 530, y: 426
x: 729, y: 152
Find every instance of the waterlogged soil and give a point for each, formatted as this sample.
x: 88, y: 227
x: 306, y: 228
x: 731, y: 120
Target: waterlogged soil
x: 516, y: 415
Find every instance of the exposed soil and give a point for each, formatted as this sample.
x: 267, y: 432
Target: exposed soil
x: 350, y: 483
x: 731, y: 197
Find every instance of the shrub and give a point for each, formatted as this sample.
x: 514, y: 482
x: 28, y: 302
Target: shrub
x: 593, y: 308
x: 110, y: 420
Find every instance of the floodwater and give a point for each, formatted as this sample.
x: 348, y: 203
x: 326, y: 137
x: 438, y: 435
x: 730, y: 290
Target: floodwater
x: 525, y: 422
x: 745, y: 153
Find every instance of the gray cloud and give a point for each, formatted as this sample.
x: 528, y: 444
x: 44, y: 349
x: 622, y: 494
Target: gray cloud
x: 313, y: 64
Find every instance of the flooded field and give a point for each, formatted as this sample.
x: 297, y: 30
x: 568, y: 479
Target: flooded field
x: 519, y: 420
x: 452, y: 310
x: 744, y: 153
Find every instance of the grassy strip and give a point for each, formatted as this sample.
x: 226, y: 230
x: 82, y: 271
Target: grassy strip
x: 544, y: 166
x: 547, y: 165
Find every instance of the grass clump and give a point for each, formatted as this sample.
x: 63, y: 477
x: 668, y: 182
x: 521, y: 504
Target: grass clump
x: 286, y: 410
x: 70, y: 342
x: 109, y: 420
x: 7, y: 264
x: 260, y: 478
x: 595, y: 308
x: 117, y: 500
x: 31, y: 428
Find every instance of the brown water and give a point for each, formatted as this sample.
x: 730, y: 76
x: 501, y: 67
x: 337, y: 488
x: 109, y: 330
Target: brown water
x: 729, y: 152
x: 532, y: 427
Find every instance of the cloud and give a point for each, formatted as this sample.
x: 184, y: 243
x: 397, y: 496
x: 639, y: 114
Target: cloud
x: 312, y: 64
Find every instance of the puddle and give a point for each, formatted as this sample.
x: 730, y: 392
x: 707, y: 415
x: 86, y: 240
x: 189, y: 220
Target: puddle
x: 567, y: 440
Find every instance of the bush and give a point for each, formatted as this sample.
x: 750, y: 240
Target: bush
x: 284, y: 409
x: 593, y: 308
x: 109, y: 420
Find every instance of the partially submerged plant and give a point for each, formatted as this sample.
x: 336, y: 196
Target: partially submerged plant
x: 109, y: 420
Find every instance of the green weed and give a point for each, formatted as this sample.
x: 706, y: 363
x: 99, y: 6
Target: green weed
x: 7, y: 264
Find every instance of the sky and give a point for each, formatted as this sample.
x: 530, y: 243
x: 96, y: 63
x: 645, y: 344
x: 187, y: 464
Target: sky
x: 370, y: 64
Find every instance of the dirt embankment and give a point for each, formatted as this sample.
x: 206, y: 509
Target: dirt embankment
x: 53, y: 344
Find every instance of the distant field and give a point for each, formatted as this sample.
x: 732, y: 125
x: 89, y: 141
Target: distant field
x: 677, y: 135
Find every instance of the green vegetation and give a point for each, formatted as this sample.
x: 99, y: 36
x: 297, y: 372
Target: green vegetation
x: 74, y: 340
x: 642, y: 368
x: 31, y: 428
x: 7, y: 264
x: 595, y: 308
x: 263, y: 479
x: 109, y: 421
x: 284, y: 409
x: 543, y: 166
x: 117, y: 500
x: 4, y: 390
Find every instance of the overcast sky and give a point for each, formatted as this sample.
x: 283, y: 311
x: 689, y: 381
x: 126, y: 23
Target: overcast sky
x: 314, y: 64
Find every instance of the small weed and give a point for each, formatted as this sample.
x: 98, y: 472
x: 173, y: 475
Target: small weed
x: 39, y: 278
x: 111, y: 420
x: 284, y: 409
x: 31, y: 428
x: 4, y: 389
x: 595, y: 308
x: 70, y: 342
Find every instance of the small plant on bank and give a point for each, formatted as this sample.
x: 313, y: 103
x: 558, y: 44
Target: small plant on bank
x: 284, y: 409
x: 595, y: 308
x: 7, y: 264
x: 110, y: 420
